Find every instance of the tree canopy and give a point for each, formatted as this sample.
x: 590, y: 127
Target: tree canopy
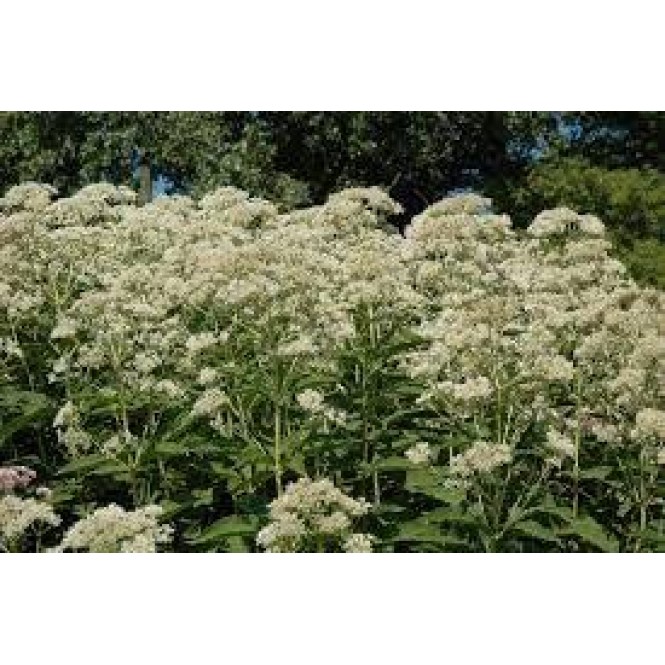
x: 608, y: 163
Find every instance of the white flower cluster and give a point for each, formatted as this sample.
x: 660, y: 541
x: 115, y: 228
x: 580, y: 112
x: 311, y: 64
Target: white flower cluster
x: 469, y: 390
x: 650, y: 424
x: 66, y: 416
x: 560, y: 445
x: 420, y: 453
x: 67, y: 422
x: 359, y: 207
x: 64, y: 329
x: 29, y: 197
x: 481, y: 458
x: 207, y: 375
x: 358, y: 543
x: 124, y: 289
x: 541, y: 324
x: 18, y: 515
x: 564, y: 220
x: 210, y: 403
x: 554, y: 368
x: 314, y: 515
x: 462, y: 204
x: 313, y: 402
x: 113, y: 529
x: 237, y: 208
x: 200, y: 306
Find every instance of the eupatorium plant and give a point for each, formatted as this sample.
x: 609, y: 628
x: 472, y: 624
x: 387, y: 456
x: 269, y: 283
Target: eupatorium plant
x: 240, y: 374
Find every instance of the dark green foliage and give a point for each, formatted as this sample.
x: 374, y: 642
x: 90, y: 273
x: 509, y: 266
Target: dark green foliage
x: 644, y: 258
x: 617, y: 139
x: 627, y: 200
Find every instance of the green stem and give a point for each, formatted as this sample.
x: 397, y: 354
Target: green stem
x: 499, y: 407
x: 278, y: 468
x: 377, y: 487
x: 365, y: 425
x: 644, y: 502
x: 578, y: 441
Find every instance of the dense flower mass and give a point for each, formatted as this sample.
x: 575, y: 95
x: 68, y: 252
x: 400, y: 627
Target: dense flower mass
x: 481, y: 457
x: 314, y: 515
x: 19, y: 515
x: 113, y: 529
x: 481, y: 384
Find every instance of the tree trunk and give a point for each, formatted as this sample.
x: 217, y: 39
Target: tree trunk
x: 145, y: 179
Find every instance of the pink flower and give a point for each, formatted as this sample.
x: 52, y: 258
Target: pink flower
x: 15, y: 477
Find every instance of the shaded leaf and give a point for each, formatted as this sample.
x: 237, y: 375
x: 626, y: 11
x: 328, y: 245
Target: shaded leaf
x: 592, y: 533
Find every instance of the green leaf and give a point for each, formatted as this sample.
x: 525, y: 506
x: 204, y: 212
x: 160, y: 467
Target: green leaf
x: 592, y: 533
x: 296, y: 463
x: 536, y: 531
x: 650, y: 537
x: 424, y: 481
x: 227, y: 527
x: 222, y: 470
x: 171, y: 509
x: 428, y: 529
x: 562, y: 513
x: 452, y: 515
x: 203, y: 497
x: 393, y: 464
x: 185, y: 445
x: 237, y: 545
x: 28, y: 406
x: 596, y: 473
x: 170, y: 448
x: 419, y: 531
x: 110, y: 467
x: 82, y: 464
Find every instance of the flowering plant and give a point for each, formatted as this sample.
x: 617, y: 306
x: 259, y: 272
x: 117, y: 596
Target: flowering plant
x: 216, y: 363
